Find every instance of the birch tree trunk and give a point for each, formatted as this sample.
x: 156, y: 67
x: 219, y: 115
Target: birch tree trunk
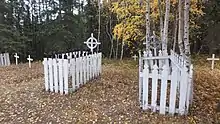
x: 161, y: 20
x: 116, y: 51
x: 110, y: 35
x: 186, y: 28
x: 180, y: 28
x: 175, y: 32
x: 99, y: 28
x: 166, y: 23
x: 122, y: 50
x: 147, y: 25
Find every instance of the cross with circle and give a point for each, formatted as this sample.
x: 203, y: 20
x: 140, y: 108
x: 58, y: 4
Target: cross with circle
x: 92, y: 43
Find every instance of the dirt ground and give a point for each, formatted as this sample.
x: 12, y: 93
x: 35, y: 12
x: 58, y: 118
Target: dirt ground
x: 112, y: 98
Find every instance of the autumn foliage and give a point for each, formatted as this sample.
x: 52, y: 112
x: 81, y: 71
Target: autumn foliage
x: 131, y: 18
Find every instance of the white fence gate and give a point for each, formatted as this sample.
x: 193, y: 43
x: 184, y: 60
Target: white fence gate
x: 64, y: 75
x: 165, y: 83
x: 4, y: 59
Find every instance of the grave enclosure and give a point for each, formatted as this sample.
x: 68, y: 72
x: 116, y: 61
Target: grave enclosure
x: 4, y: 59
x: 165, y: 82
x: 67, y: 72
x: 67, y: 75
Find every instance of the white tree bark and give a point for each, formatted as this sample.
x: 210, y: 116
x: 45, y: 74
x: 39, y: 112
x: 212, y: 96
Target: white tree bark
x: 180, y: 29
x: 161, y: 20
x: 110, y: 35
x: 166, y: 23
x: 147, y: 25
x: 116, y: 51
x: 175, y: 32
x: 186, y: 28
x: 122, y: 50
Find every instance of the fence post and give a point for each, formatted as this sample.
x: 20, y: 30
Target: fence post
x: 77, y: 73
x: 84, y: 69
x: 45, y: 63
x: 50, y: 62
x: 145, y: 84
x: 160, y: 61
x: 1, y: 63
x: 154, y: 88
x: 100, y: 63
x: 173, y: 89
x: 183, y: 90
x: 7, y: 59
x: 55, y: 75
x: 150, y: 61
x: 60, y: 63
x: 81, y: 70
x: 65, y: 72
x: 73, y: 69
x: 141, y: 73
x: 93, y: 65
x: 87, y: 68
x: 90, y: 67
x: 96, y: 64
x: 163, y: 91
x: 189, y: 88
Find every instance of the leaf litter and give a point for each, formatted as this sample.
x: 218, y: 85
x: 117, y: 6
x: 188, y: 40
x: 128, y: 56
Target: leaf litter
x: 111, y: 98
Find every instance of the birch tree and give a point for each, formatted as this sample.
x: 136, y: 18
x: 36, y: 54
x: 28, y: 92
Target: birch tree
x: 186, y: 28
x: 161, y: 20
x: 166, y: 23
x: 180, y: 28
x: 175, y: 32
x: 147, y: 25
x: 110, y: 35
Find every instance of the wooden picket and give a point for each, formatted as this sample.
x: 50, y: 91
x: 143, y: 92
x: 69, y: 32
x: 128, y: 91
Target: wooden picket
x: 163, y: 93
x: 174, y: 78
x: 46, y: 79
x: 4, y: 59
x: 59, y: 72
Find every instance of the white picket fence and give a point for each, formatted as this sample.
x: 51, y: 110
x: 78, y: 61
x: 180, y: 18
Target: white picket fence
x: 67, y: 75
x: 4, y: 59
x: 71, y: 55
x: 165, y: 83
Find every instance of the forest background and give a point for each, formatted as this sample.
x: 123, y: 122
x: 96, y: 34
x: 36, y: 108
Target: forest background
x: 42, y: 27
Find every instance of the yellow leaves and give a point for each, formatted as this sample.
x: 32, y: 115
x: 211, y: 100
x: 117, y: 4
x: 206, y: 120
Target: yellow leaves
x: 129, y: 29
x: 131, y: 17
x: 196, y: 9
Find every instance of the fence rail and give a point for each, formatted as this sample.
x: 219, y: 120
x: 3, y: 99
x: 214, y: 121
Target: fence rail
x: 65, y: 75
x: 4, y: 59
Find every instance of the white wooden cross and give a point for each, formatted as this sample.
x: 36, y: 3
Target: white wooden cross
x: 213, y: 59
x: 29, y: 60
x: 16, y: 58
x: 135, y: 57
x: 92, y: 43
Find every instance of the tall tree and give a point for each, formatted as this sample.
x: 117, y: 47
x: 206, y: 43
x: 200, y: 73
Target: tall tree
x: 166, y: 24
x: 148, y: 25
x: 161, y: 19
x: 180, y: 29
x: 186, y: 29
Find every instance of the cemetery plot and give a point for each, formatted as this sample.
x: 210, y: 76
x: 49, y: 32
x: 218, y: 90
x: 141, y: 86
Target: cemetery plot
x: 113, y: 98
x: 4, y: 59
